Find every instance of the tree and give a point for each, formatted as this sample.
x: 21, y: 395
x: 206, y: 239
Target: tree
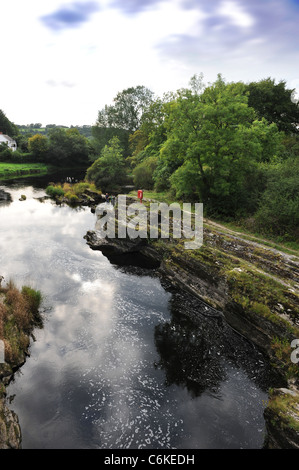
x: 147, y: 141
x: 67, y: 147
x: 275, y: 103
x: 278, y: 211
x: 143, y: 173
x: 129, y: 107
x: 38, y: 145
x: 123, y: 117
x: 6, y: 126
x: 78, y: 146
x: 219, y: 134
x: 108, y: 171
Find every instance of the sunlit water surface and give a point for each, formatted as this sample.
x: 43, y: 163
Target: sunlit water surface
x: 121, y: 362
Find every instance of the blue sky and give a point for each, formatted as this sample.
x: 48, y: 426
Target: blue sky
x: 62, y: 61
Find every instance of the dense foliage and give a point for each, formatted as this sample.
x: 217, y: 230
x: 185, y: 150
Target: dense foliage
x: 60, y: 146
x: 232, y: 146
x: 108, y: 171
x: 6, y: 126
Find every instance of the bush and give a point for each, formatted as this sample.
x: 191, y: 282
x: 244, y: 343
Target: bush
x: 54, y: 191
x: 5, y: 154
x: 72, y: 198
x: 33, y: 298
x: 143, y: 173
x: 278, y: 212
x: 19, y: 313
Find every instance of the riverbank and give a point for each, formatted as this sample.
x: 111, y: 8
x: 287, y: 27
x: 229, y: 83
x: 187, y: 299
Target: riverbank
x: 19, y: 315
x: 10, y: 171
x: 256, y: 288
x: 15, y: 170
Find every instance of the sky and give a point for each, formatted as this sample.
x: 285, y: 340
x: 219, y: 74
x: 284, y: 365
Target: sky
x: 62, y: 60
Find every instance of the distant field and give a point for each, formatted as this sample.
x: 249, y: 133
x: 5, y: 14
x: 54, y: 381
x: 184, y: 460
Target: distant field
x: 8, y: 170
x: 84, y: 130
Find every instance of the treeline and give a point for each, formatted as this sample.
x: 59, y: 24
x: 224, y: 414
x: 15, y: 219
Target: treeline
x: 59, y: 146
x: 28, y: 130
x: 232, y: 146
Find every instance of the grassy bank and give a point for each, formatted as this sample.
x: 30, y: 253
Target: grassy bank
x: 290, y: 247
x: 14, y: 170
x: 19, y: 314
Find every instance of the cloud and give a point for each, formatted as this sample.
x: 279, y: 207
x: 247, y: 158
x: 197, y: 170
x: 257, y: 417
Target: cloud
x: 70, y: 16
x: 134, y: 6
x: 229, y: 28
x: 64, y: 83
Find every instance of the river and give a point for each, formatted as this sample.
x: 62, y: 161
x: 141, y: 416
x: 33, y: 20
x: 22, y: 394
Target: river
x: 123, y: 361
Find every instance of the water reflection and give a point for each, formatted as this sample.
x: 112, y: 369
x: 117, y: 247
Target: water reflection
x: 5, y: 197
x: 198, y: 348
x: 118, y: 363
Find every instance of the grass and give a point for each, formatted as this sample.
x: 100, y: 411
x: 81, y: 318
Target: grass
x: 12, y: 170
x: 285, y: 410
x: 19, y: 314
x: 71, y: 192
x: 289, y: 247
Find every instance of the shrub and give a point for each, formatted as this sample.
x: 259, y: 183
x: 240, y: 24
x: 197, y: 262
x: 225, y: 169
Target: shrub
x: 72, y: 198
x: 54, y: 191
x: 143, y: 173
x: 33, y: 298
x: 19, y: 308
x: 278, y: 213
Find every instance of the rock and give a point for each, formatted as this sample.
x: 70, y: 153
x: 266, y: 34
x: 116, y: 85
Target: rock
x: 10, y: 431
x: 280, y: 434
x: 208, y: 276
x: 124, y: 252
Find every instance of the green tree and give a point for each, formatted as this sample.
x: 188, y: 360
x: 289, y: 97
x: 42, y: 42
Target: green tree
x: 38, y: 145
x: 123, y: 117
x: 276, y: 103
x: 278, y: 212
x: 67, y: 147
x: 6, y: 126
x: 143, y: 173
x: 108, y: 171
x: 129, y: 107
x: 219, y: 134
x: 78, y: 146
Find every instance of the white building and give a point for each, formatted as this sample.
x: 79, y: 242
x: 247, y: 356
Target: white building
x: 11, y: 143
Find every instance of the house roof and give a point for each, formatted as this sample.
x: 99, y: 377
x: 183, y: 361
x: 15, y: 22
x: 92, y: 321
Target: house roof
x: 4, y: 137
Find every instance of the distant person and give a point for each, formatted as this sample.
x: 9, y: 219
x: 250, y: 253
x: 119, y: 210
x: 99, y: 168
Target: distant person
x: 107, y: 197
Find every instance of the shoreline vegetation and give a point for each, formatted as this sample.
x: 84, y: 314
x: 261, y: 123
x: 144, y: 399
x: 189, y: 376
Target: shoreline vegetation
x: 19, y: 316
x: 15, y: 170
x: 82, y: 193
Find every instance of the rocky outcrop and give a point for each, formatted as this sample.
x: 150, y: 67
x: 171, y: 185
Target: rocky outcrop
x: 256, y: 289
x: 10, y: 431
x: 125, y: 252
x: 281, y: 433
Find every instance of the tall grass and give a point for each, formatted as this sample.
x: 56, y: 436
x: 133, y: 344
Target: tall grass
x: 19, y: 314
x: 71, y: 192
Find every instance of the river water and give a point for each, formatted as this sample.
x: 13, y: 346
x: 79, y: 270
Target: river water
x: 122, y: 361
